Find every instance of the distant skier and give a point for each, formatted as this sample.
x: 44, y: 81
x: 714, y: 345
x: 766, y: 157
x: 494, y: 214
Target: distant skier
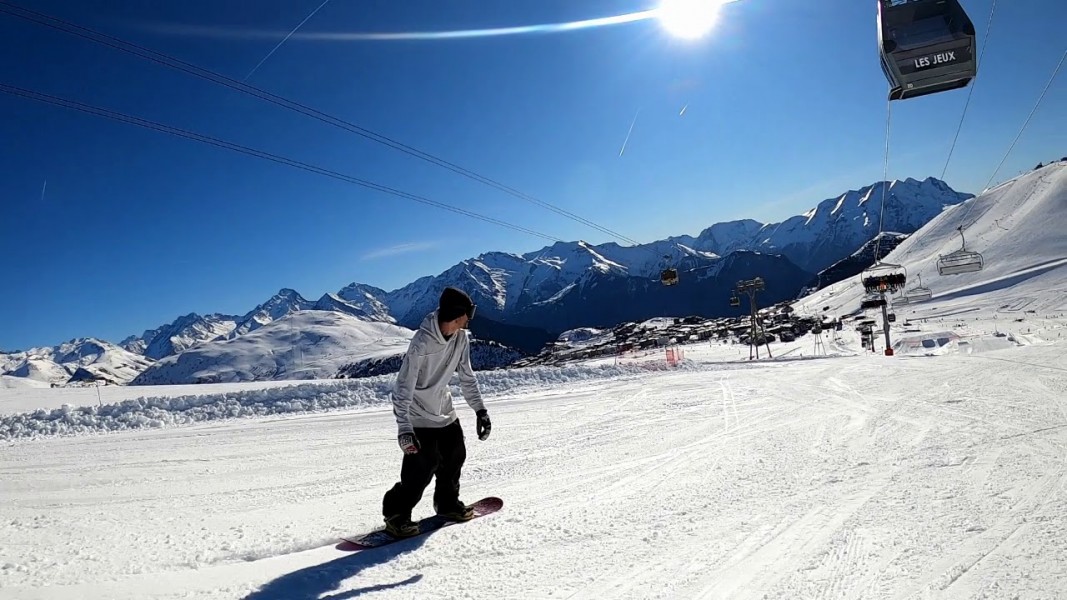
x: 429, y: 432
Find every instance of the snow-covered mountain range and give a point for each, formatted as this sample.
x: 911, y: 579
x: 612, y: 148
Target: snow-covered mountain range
x: 89, y: 358
x: 577, y: 284
x: 306, y: 344
x: 184, y: 333
x: 523, y: 300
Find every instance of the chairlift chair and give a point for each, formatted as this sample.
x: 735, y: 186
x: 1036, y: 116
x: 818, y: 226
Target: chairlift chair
x: 926, y: 46
x: 735, y: 301
x: 961, y: 261
x: 892, y: 317
x: 872, y: 301
x: 885, y: 278
x: 919, y: 293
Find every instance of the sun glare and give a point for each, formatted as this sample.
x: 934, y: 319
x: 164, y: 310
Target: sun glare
x: 689, y: 19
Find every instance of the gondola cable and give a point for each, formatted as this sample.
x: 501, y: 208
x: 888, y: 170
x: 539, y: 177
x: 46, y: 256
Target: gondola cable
x: 118, y: 116
x: 970, y: 91
x: 191, y: 69
x: 885, y: 180
x: 1026, y: 123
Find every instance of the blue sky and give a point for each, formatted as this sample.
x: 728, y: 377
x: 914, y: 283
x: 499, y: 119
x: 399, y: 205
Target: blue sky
x: 785, y: 107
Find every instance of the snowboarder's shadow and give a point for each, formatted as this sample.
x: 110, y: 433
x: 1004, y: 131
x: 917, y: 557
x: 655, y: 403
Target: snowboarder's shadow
x: 312, y: 582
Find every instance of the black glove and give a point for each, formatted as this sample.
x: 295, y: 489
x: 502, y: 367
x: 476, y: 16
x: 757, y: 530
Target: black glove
x: 484, y: 426
x: 409, y: 443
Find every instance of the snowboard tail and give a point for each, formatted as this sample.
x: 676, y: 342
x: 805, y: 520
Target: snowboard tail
x: 379, y: 537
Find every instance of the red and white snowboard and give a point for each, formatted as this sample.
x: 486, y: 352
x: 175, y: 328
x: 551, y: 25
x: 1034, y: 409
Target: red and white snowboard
x: 378, y: 538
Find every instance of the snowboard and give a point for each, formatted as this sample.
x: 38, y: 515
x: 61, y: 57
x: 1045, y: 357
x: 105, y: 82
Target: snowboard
x: 379, y: 537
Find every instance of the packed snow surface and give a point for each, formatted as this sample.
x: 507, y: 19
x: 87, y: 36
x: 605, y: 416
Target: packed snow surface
x: 851, y: 475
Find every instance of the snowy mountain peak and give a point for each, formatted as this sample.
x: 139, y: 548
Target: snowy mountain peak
x: 575, y: 258
x: 723, y: 238
x: 279, y: 304
x: 368, y: 299
x: 333, y: 302
x: 180, y: 335
x: 285, y: 302
x: 358, y: 292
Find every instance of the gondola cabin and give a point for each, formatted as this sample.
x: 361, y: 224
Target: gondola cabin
x: 669, y: 277
x: 927, y: 46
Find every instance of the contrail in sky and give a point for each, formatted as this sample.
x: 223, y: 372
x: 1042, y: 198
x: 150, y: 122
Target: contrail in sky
x: 629, y: 132
x: 43, y: 188
x: 285, y: 39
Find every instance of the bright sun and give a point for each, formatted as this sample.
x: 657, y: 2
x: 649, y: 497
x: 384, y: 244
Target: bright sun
x: 689, y: 19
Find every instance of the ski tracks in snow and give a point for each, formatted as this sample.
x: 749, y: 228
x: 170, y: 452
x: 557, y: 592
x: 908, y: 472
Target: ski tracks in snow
x: 851, y: 477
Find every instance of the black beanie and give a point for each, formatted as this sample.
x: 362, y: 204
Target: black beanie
x: 454, y: 304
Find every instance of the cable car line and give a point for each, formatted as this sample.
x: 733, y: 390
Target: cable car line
x: 970, y: 91
x: 969, y: 261
x: 117, y: 116
x: 885, y: 179
x: 191, y: 69
x: 1026, y: 123
x: 1040, y: 99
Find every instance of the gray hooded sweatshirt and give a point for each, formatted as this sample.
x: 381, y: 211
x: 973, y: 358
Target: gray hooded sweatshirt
x: 422, y: 397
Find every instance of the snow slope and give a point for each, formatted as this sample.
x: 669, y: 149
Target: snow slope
x: 1014, y: 226
x: 848, y: 477
x: 309, y: 344
x: 10, y: 382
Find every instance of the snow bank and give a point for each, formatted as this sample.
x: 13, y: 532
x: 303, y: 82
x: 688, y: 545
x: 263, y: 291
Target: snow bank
x: 162, y: 411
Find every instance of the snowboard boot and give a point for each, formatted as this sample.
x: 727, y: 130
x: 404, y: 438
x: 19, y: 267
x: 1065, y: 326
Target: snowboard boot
x: 401, y: 526
x: 455, y: 512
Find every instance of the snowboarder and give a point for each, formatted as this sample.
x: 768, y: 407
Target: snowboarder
x: 429, y: 432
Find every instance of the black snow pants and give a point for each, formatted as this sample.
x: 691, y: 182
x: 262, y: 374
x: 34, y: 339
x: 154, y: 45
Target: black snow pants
x: 442, y: 453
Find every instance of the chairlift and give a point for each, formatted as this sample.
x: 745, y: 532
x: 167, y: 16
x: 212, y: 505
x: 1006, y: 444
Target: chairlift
x: 735, y: 301
x: 926, y: 46
x: 961, y: 261
x: 892, y: 317
x: 884, y: 278
x: 872, y: 301
x: 919, y: 293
